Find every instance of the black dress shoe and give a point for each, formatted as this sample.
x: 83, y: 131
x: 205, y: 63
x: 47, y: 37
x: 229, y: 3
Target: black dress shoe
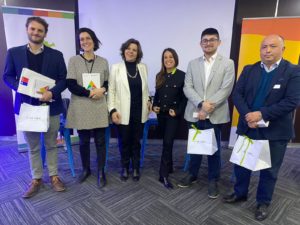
x: 101, y: 179
x: 124, y: 174
x: 136, y: 175
x: 84, y: 175
x: 167, y: 184
x: 261, y: 212
x: 232, y: 198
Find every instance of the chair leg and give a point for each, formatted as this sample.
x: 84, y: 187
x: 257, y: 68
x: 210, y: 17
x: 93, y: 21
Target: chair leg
x: 107, y: 137
x: 43, y: 150
x: 145, y: 135
x: 186, y: 162
x: 69, y: 150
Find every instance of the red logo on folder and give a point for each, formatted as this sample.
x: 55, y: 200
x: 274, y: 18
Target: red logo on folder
x: 24, y: 81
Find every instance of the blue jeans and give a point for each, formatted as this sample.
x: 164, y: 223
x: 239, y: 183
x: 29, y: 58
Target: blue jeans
x: 268, y: 177
x: 214, y: 161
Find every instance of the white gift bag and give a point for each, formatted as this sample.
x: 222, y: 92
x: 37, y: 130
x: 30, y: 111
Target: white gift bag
x: 251, y: 154
x: 33, y: 118
x: 202, y: 142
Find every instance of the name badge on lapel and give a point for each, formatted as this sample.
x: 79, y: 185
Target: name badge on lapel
x: 276, y: 86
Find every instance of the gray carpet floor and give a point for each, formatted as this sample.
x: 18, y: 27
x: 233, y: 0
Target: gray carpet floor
x: 144, y: 202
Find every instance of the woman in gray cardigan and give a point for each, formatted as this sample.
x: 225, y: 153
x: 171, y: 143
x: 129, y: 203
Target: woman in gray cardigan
x: 87, y: 80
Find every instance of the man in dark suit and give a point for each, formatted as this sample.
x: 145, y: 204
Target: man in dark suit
x: 267, y: 91
x: 49, y: 62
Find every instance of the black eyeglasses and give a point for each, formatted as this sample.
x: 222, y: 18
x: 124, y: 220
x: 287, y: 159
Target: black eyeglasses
x: 206, y: 41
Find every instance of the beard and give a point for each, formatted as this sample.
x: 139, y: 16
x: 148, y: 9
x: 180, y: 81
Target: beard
x: 40, y: 39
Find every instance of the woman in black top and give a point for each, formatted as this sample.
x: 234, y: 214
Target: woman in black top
x: 169, y: 104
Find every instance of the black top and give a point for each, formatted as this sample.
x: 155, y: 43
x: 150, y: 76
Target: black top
x: 170, y: 95
x: 35, y: 63
x: 135, y: 87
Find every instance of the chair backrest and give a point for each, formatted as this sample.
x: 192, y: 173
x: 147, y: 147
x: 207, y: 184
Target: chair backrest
x: 66, y: 103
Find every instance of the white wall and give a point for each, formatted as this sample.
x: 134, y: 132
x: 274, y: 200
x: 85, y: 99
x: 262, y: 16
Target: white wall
x: 157, y: 24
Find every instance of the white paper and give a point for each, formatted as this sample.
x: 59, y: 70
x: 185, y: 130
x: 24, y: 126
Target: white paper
x: 262, y: 123
x: 31, y: 82
x: 91, y: 80
x: 41, y: 86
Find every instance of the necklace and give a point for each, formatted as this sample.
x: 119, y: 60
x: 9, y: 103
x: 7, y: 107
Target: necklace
x: 134, y: 76
x: 89, y: 61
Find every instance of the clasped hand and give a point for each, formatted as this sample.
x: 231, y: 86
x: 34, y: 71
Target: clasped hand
x: 46, y: 96
x: 97, y: 93
x: 208, y: 106
x: 252, y: 118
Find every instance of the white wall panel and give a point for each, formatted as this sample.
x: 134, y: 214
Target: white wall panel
x: 157, y: 24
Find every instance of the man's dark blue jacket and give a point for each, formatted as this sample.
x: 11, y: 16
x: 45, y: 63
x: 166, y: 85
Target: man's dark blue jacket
x: 283, y: 97
x: 53, y: 67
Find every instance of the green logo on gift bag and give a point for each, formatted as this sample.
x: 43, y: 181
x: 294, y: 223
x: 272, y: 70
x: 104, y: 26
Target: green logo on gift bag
x: 249, y: 141
x: 196, y: 133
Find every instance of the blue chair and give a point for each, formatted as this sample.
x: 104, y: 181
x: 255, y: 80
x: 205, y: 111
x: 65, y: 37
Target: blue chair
x: 150, y: 122
x: 69, y: 149
x: 66, y: 134
x: 107, y: 138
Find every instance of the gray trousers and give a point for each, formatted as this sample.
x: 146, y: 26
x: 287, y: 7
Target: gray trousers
x: 33, y: 140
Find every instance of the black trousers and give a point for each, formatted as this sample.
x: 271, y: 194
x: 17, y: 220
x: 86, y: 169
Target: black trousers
x: 167, y: 128
x: 84, y: 147
x: 130, y: 149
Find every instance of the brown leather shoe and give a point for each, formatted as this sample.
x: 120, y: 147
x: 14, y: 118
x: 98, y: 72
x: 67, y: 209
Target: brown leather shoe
x: 57, y: 185
x: 33, y: 188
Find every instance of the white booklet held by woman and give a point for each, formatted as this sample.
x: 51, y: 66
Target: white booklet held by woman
x: 91, y: 80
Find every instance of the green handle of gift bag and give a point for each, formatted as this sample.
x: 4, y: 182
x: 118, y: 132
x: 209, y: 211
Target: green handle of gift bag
x: 249, y: 141
x: 197, y: 132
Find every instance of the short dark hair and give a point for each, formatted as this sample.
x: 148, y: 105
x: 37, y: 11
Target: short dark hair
x: 126, y: 44
x: 210, y: 31
x: 38, y: 20
x: 96, y: 41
